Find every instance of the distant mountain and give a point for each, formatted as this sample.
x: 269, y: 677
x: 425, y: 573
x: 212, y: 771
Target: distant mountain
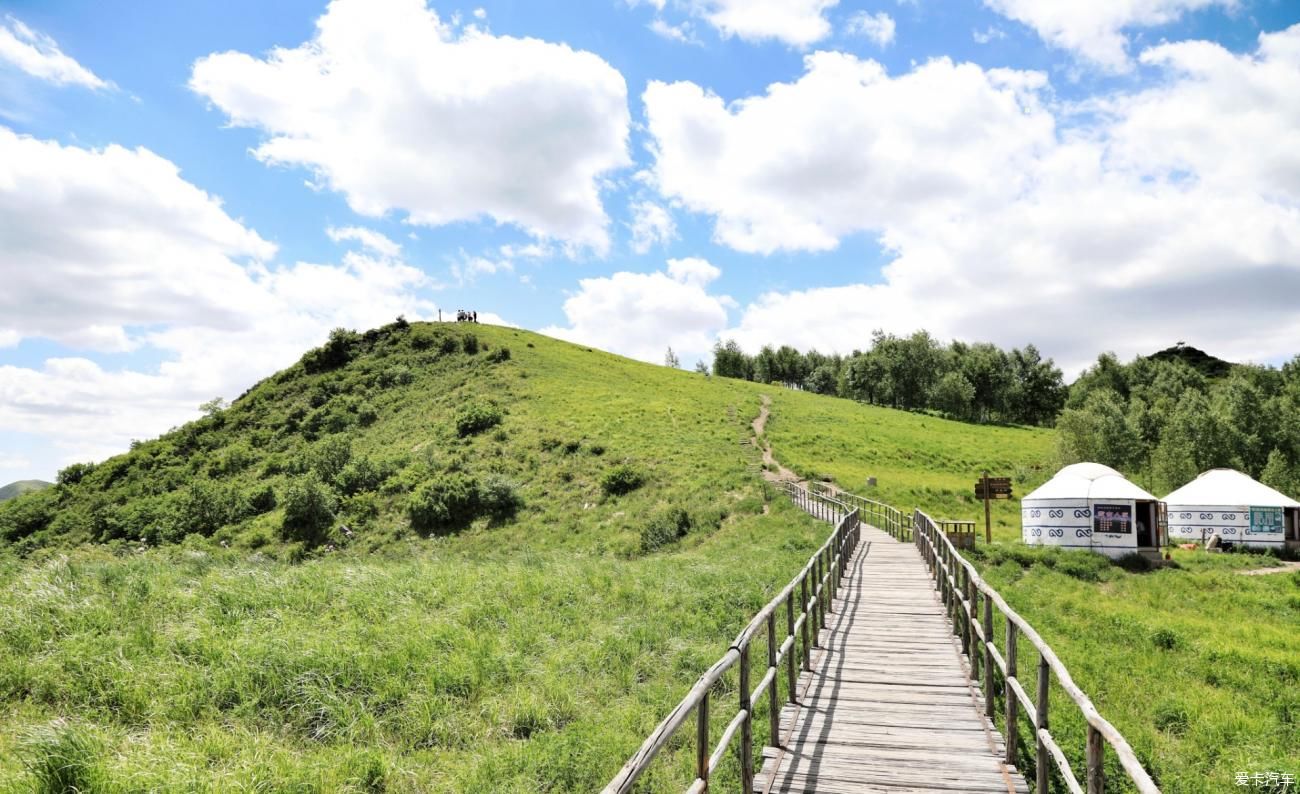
x: 21, y: 487
x: 1206, y: 364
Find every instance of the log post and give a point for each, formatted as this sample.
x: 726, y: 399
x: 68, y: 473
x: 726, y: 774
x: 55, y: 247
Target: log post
x: 988, y: 657
x: 746, y: 726
x: 774, y: 697
x: 807, y: 618
x: 1096, y: 762
x: 1013, y: 704
x: 791, y: 677
x: 702, y: 741
x: 1040, y: 772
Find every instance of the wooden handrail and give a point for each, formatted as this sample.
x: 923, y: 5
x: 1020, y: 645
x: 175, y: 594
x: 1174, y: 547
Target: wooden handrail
x: 896, y: 523
x: 815, y: 584
x: 961, y: 587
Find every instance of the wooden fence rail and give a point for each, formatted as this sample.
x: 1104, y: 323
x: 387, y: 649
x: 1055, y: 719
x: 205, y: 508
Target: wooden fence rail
x: 963, y: 592
x: 814, y: 588
x: 878, y: 514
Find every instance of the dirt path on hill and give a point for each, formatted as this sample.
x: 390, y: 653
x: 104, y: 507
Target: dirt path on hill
x: 1279, y: 568
x: 782, y: 474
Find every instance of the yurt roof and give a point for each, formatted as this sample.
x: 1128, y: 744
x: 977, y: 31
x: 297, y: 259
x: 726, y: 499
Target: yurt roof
x: 1229, y: 487
x: 1088, y: 481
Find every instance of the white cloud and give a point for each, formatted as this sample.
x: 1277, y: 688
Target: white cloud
x: 680, y: 33
x: 468, y: 268
x: 642, y: 314
x: 877, y: 27
x: 845, y: 148
x: 797, y: 23
x: 1093, y: 29
x: 10, y: 462
x: 112, y: 250
x: 991, y: 33
x: 1141, y: 218
x: 39, y: 56
x: 651, y: 225
x: 396, y: 110
x: 368, y: 238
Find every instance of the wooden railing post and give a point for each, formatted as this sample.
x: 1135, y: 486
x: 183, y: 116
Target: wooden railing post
x: 774, y: 698
x: 1040, y: 770
x: 1013, y: 704
x: 746, y: 726
x: 702, y: 741
x: 988, y: 657
x: 791, y: 676
x: 972, y: 647
x: 806, y: 611
x: 1096, y: 762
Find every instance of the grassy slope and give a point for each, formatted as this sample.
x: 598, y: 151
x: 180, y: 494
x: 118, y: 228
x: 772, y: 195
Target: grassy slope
x: 1198, y: 666
x: 526, y: 655
x: 15, y: 489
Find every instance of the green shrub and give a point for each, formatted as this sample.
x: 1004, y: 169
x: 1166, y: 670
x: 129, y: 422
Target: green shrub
x: 666, y: 526
x: 73, y: 474
x: 336, y: 352
x: 499, y: 355
x: 361, y: 475
x: 1171, y: 718
x: 262, y: 500
x: 1165, y: 639
x: 328, y: 458
x: 469, y: 344
x: 621, y: 479
x: 476, y: 417
x: 499, y: 497
x: 308, y: 511
x: 64, y: 759
x: 204, y: 507
x: 448, y: 502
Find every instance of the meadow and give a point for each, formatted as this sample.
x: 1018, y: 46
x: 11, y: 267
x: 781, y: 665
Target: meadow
x: 527, y: 652
x: 1196, y: 664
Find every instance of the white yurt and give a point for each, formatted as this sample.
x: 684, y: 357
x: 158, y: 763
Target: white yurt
x: 1237, y: 508
x: 1093, y: 507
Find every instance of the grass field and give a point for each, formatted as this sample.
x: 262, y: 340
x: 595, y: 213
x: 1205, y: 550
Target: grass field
x: 526, y: 654
x: 534, y: 652
x: 1197, y: 665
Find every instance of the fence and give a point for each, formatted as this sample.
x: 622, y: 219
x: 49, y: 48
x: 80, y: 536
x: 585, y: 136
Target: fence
x: 879, y: 515
x: 815, y: 586
x: 963, y: 592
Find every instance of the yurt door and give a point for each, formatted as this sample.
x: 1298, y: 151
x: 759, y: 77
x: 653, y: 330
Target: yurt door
x: 1146, y: 521
x: 1162, y: 524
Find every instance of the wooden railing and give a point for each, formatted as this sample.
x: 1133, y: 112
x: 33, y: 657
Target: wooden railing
x: 814, y: 587
x: 963, y: 592
x: 879, y: 515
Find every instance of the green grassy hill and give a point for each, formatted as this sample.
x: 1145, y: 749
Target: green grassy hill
x: 467, y: 558
x: 576, y: 565
x: 21, y: 487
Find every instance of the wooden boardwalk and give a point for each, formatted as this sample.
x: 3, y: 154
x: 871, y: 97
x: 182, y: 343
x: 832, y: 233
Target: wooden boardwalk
x: 888, y: 704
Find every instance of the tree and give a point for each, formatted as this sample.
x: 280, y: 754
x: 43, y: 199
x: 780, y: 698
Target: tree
x: 953, y: 395
x: 213, y: 407
x: 701, y: 367
x: 671, y: 360
x: 1038, y: 391
x: 308, y: 511
x: 821, y: 381
x: 1096, y: 432
x: 729, y: 361
x: 1279, y: 473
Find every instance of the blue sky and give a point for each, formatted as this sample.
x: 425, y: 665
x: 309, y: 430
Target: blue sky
x: 1083, y: 176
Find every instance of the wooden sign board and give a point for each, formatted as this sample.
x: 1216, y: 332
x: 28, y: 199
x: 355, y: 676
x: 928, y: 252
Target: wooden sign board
x: 999, y: 488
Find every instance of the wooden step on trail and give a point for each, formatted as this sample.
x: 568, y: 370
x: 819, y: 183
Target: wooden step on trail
x: 888, y: 704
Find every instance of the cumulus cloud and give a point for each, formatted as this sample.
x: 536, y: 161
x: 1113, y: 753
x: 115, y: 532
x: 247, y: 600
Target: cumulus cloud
x: 110, y: 249
x: 640, y: 315
x: 1094, y: 29
x: 797, y: 23
x: 369, y: 238
x: 1165, y: 213
x: 397, y: 110
x: 845, y: 148
x: 651, y: 225
x: 878, y: 27
x: 39, y: 56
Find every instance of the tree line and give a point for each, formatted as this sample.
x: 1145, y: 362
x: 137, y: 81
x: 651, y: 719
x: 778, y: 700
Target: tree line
x: 1167, y: 421
x: 977, y: 382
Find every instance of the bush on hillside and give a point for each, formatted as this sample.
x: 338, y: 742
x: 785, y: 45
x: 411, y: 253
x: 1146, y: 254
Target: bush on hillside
x: 262, y: 500
x: 448, y: 502
x: 499, y: 355
x: 336, y: 352
x: 476, y: 417
x: 329, y: 457
x: 469, y: 344
x: 308, y: 511
x: 361, y: 475
x: 499, y: 497
x: 74, y: 473
x: 665, y: 527
x: 621, y: 479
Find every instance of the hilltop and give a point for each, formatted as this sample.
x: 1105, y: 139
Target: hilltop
x: 1204, y: 363
x: 21, y: 487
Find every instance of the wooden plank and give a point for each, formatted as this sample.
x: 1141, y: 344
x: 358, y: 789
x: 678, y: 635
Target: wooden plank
x: 888, y: 704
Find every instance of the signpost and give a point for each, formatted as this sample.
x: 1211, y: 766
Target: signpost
x: 987, y: 488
